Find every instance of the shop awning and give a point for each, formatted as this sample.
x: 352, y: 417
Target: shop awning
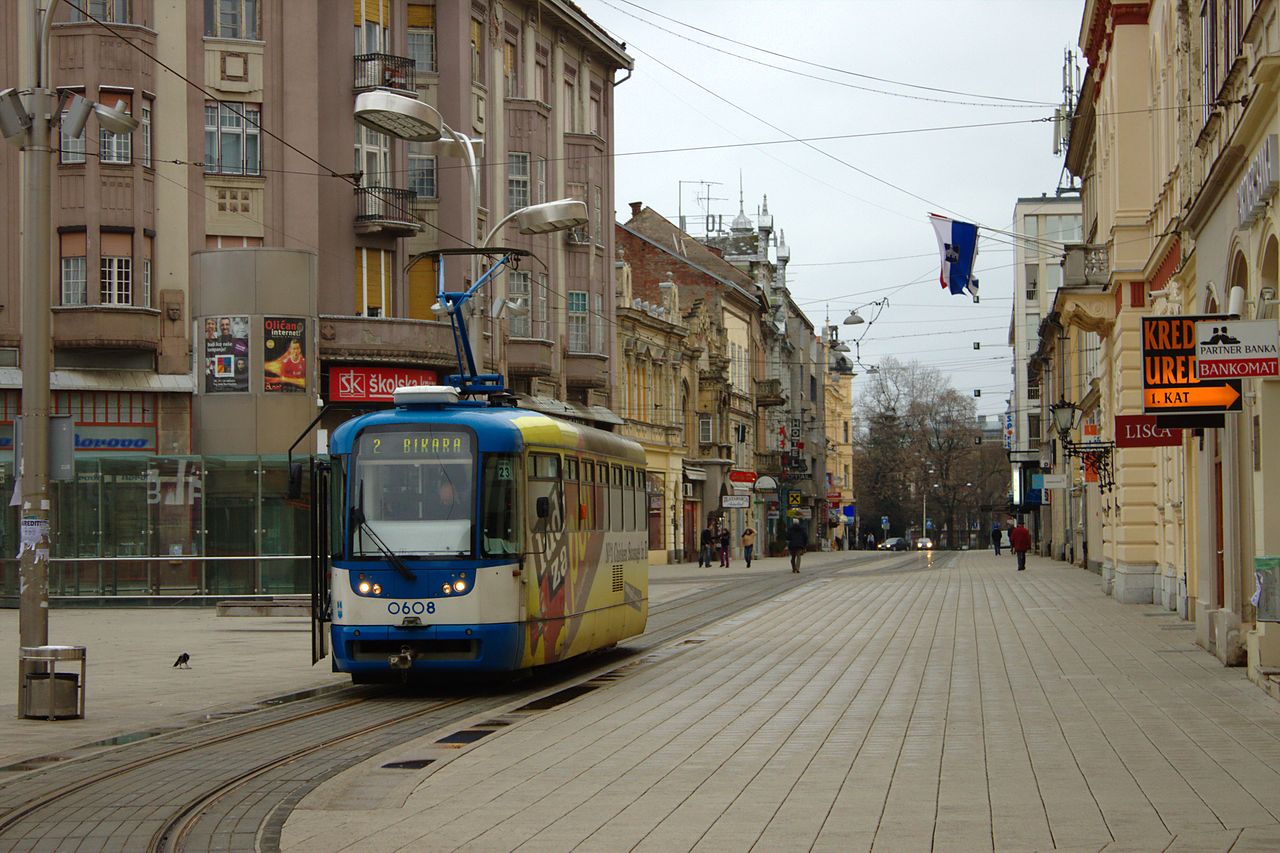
x: 692, y: 473
x: 106, y: 380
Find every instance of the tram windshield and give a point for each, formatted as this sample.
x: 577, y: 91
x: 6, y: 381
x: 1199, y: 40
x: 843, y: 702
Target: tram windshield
x: 414, y: 489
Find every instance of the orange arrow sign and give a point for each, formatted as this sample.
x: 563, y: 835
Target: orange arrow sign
x: 1210, y: 397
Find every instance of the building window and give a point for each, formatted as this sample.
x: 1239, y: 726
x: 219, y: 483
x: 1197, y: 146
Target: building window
x: 540, y: 175
x: 117, y: 281
x: 146, y: 282
x: 569, y: 105
x: 477, y: 52
x: 115, y: 147
x: 517, y: 181
x: 597, y: 111
x: 597, y: 324
x: 109, y: 11
x: 420, y: 36
x: 511, y: 69
x: 704, y: 429
x: 1208, y: 57
x: 1033, y: 282
x: 522, y: 314
x: 74, y: 291
x: 231, y: 141
x: 579, y: 339
x: 70, y: 148
x: 597, y: 215
x: 232, y: 19
x: 539, y: 303
x: 540, y: 76
x: 422, y: 170
x: 146, y: 133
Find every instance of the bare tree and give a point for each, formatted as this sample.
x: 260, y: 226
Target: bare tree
x: 920, y: 437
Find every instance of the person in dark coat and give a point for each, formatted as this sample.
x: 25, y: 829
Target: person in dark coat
x: 797, y: 544
x: 704, y: 548
x: 995, y: 538
x: 724, y: 547
x: 1020, y: 542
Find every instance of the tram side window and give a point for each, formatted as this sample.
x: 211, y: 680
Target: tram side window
x: 615, y: 499
x: 602, y: 494
x: 629, y: 498
x: 545, y: 482
x: 589, y: 495
x: 572, y: 497
x: 500, y: 532
x: 337, y: 507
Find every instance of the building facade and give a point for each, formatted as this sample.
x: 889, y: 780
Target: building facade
x: 253, y: 172
x: 1179, y: 221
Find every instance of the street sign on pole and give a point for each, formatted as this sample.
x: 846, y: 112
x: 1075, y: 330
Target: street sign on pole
x: 735, y: 501
x: 884, y: 522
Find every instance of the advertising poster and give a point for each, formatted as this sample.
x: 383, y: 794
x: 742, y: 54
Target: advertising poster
x: 226, y: 354
x: 284, y: 354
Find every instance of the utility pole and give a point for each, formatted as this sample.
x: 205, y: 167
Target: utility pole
x: 33, y: 480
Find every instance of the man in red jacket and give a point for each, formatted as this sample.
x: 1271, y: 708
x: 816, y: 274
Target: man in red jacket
x: 1020, y: 542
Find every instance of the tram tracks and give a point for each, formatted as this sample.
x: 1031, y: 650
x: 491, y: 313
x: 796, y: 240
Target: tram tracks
x: 210, y: 776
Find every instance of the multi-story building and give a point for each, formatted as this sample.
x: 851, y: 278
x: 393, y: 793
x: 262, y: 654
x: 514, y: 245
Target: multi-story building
x: 655, y: 388
x: 723, y: 315
x: 837, y: 407
x: 250, y: 207
x: 1180, y: 220
x: 1044, y: 224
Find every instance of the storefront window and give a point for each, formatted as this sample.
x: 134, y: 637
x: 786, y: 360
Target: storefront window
x: 230, y: 512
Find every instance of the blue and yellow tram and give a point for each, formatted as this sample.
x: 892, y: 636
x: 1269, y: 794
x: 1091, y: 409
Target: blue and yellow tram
x: 463, y: 535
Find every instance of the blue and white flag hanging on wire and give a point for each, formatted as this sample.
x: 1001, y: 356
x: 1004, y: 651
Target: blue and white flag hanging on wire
x: 958, y: 244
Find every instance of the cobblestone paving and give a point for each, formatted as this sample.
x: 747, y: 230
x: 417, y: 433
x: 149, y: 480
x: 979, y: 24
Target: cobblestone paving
x: 951, y: 705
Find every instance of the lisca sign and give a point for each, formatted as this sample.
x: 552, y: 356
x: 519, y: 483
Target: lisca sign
x: 1171, y: 384
x: 1141, y: 431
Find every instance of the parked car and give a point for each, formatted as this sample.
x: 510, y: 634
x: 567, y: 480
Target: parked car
x: 894, y: 543
x: 924, y: 543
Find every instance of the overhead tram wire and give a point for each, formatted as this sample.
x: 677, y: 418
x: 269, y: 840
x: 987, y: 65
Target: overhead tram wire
x: 828, y: 67
x: 991, y: 101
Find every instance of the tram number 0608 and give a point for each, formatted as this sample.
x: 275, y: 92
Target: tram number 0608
x: 417, y: 608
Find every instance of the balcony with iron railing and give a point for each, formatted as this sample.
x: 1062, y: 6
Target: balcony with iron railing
x: 386, y: 209
x: 385, y: 71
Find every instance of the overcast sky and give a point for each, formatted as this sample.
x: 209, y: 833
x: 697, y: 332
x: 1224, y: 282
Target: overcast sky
x: 841, y: 224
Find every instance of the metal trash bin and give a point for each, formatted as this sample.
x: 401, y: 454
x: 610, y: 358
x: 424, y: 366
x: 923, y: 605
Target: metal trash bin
x: 46, y: 693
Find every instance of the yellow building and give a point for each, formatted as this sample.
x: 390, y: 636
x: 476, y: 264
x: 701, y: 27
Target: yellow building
x: 658, y: 362
x: 838, y: 412
x: 1179, y: 221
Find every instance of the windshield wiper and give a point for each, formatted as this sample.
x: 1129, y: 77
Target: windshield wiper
x: 357, y: 513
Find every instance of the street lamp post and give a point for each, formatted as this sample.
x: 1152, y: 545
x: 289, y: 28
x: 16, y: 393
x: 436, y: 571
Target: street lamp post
x: 30, y: 125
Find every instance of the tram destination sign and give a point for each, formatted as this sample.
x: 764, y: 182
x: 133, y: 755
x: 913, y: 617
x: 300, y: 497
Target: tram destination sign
x: 1232, y: 349
x: 1170, y: 381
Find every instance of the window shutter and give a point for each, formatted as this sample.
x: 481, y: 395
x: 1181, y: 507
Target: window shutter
x: 421, y: 15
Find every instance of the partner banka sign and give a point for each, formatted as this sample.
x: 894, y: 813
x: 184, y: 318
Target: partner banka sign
x: 1234, y: 349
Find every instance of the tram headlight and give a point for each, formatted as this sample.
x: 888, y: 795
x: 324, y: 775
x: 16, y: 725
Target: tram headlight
x: 364, y: 587
x: 447, y: 588
x: 460, y: 585
x: 377, y: 589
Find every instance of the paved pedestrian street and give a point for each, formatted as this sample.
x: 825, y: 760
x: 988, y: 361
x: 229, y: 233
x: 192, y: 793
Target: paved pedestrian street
x: 944, y: 702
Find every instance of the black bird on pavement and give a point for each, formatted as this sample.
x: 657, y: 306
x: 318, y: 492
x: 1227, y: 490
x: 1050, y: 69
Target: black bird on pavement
x: 183, y: 661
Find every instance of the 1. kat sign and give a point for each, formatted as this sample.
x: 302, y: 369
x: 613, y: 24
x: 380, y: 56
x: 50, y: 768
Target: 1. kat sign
x: 1171, y: 384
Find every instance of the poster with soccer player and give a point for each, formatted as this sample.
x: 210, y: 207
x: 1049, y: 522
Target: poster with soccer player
x: 284, y: 354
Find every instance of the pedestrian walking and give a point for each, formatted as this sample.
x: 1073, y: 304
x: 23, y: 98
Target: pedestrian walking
x: 871, y: 541
x: 1020, y: 542
x: 724, y: 547
x: 704, y: 548
x: 748, y: 544
x: 995, y: 538
x: 797, y: 544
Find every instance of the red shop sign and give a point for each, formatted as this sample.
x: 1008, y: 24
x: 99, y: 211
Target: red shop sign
x: 1141, y: 431
x: 746, y: 477
x: 373, y: 384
